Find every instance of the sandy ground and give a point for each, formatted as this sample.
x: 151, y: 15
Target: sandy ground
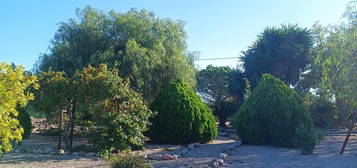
x: 16, y: 160
x: 326, y: 154
x: 199, y: 157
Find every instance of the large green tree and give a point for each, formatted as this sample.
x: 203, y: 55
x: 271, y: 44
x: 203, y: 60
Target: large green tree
x: 14, y: 84
x: 99, y: 97
x: 222, y: 88
x: 338, y: 58
x: 280, y: 51
x: 147, y: 50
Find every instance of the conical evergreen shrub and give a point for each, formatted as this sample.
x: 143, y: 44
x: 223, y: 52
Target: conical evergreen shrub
x: 181, y: 117
x: 25, y: 122
x: 274, y: 114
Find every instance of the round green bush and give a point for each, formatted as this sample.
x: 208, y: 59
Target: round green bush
x: 181, y: 117
x: 273, y: 114
x: 25, y: 122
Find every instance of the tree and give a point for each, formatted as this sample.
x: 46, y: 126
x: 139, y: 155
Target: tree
x: 14, y: 84
x: 339, y: 65
x: 147, y: 50
x: 281, y: 52
x: 223, y: 89
x: 53, y: 99
x: 274, y: 114
x: 99, y: 97
x: 119, y: 114
x: 182, y: 117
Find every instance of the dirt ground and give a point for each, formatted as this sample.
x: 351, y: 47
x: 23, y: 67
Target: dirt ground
x: 326, y: 154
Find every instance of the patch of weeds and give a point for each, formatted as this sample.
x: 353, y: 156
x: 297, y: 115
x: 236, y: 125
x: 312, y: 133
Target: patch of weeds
x: 129, y: 160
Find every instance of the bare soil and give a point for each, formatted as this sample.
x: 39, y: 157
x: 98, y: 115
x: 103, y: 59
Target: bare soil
x: 326, y: 154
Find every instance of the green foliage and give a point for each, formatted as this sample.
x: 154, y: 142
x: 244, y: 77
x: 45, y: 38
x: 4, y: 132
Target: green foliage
x: 223, y: 88
x: 25, y: 122
x: 53, y: 95
x: 129, y: 160
x: 281, y: 52
x: 323, y: 112
x: 182, y: 117
x: 307, y: 138
x: 120, y: 115
x: 272, y: 115
x: 147, y: 50
x: 100, y: 99
x: 14, y: 85
x: 337, y: 57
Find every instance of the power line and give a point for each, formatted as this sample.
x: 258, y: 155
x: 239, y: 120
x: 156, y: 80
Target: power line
x: 206, y: 59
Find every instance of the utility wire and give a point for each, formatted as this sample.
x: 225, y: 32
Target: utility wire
x: 206, y: 59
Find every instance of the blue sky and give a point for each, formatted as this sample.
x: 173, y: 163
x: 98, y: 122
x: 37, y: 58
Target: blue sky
x: 216, y: 28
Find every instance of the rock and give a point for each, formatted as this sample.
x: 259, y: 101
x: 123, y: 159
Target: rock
x: 213, y: 164
x: 145, y: 156
x: 176, y: 156
x: 60, y: 152
x: 90, y: 154
x: 184, y: 151
x: 223, y: 156
x: 193, y: 145
x: 220, y: 162
x: 155, y: 157
x: 167, y: 157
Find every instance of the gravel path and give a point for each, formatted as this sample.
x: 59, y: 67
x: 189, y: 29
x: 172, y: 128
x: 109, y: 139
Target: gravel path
x: 326, y: 154
x: 199, y: 157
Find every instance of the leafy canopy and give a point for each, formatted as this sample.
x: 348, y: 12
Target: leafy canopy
x: 223, y: 89
x: 147, y: 50
x: 119, y: 114
x: 338, y: 59
x: 14, y: 84
x: 98, y: 98
x: 281, y: 52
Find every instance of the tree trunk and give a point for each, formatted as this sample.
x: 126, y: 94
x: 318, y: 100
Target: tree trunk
x: 350, y: 129
x: 60, y: 131
x: 346, y: 139
x: 72, y: 126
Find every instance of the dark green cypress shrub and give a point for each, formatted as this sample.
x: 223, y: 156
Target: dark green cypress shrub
x: 25, y: 122
x: 181, y: 117
x: 274, y: 114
